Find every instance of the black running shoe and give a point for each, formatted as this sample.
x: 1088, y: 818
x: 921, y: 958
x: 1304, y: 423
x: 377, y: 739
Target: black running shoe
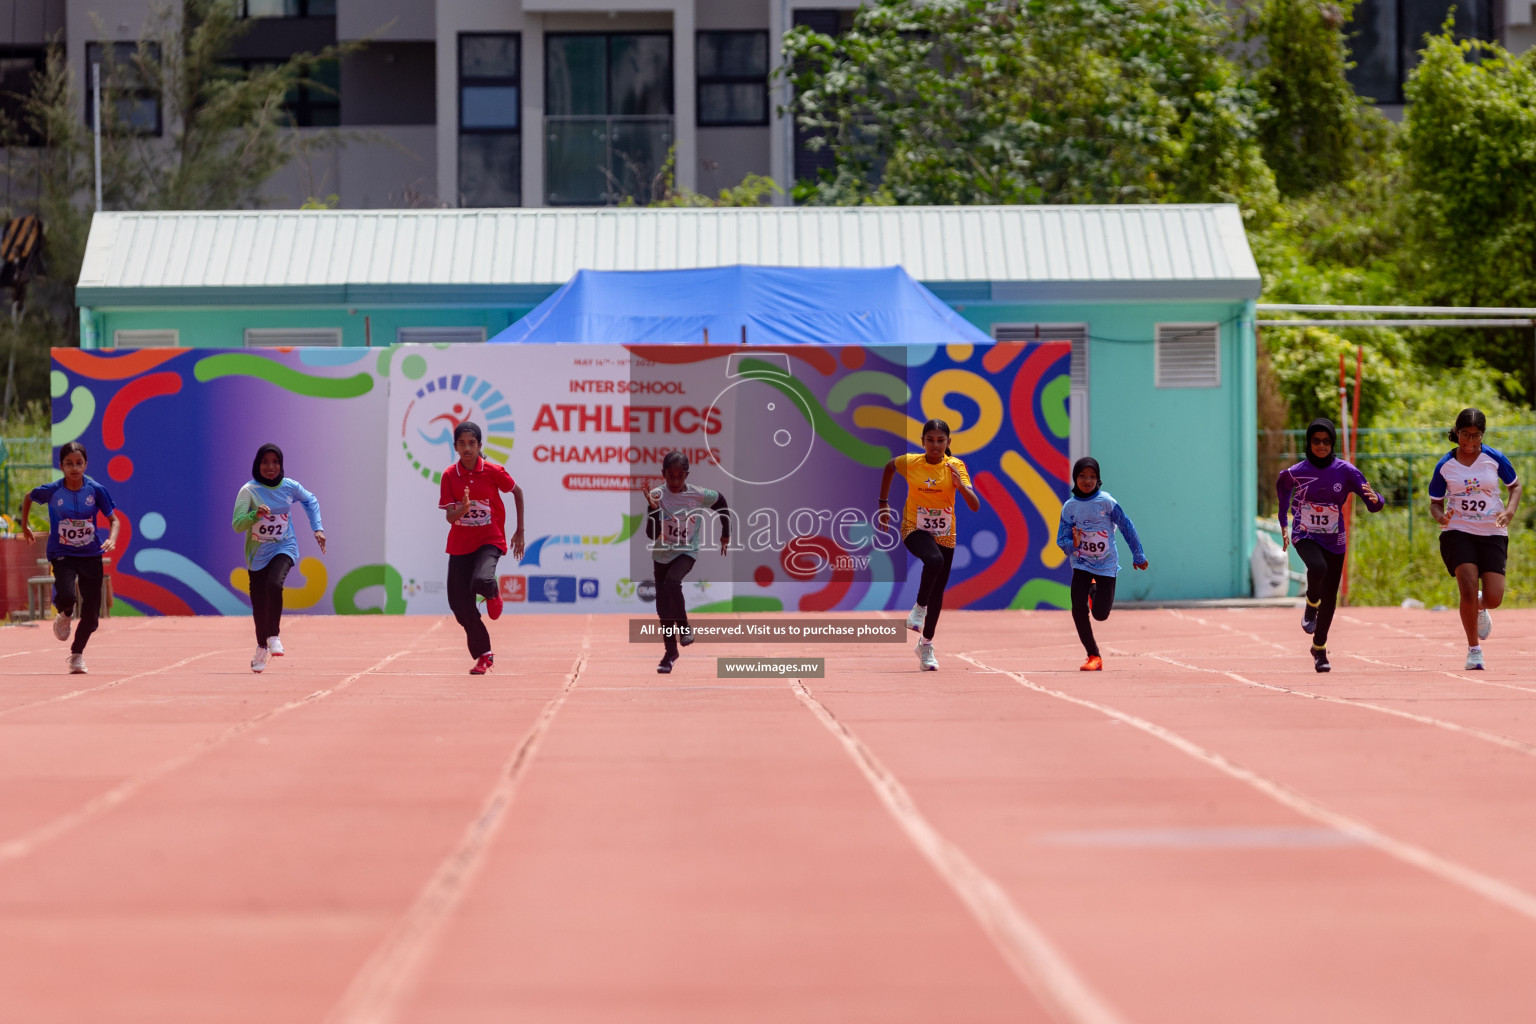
x: 1320, y: 659
x: 685, y: 636
x: 665, y: 667
x: 1309, y: 620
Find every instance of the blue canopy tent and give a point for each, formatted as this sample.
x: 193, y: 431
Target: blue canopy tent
x: 776, y: 305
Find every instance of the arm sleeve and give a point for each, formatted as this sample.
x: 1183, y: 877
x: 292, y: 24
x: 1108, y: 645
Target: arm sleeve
x: 720, y: 507
x: 104, y: 503
x: 1120, y: 519
x: 1064, y: 531
x: 1506, y: 469
x: 445, y: 496
x: 1284, y: 485
x: 1436, y: 481
x: 652, y: 522
x: 245, y: 510
x: 961, y: 473
x: 505, y: 482
x: 311, y: 504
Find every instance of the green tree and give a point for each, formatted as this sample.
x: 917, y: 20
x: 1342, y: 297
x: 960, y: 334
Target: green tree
x: 1314, y: 129
x: 225, y: 134
x: 1029, y: 101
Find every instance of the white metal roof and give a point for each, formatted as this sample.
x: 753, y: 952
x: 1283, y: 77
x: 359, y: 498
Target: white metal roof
x: 180, y: 255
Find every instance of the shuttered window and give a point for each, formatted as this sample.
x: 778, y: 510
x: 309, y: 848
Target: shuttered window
x: 146, y: 339
x: 1188, y: 356
x: 284, y: 337
x: 439, y: 335
x: 1077, y: 404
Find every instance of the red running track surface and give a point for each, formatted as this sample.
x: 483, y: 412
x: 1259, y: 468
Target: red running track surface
x: 1206, y: 831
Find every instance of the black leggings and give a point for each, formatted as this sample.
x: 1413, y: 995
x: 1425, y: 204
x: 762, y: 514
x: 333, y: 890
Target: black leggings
x: 468, y: 575
x: 669, y: 598
x: 84, y: 572
x: 1103, y: 601
x: 937, y: 560
x: 1324, y: 571
x: 267, y: 597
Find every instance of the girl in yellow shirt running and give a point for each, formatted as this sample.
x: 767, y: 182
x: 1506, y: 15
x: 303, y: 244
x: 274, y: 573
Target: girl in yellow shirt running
x: 928, y: 524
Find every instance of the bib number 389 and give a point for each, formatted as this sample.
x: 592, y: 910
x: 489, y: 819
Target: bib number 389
x: 1094, y: 544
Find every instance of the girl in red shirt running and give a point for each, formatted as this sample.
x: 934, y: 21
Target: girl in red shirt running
x: 477, y: 537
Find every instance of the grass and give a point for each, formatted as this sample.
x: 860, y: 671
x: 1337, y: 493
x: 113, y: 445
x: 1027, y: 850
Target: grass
x: 1386, y: 565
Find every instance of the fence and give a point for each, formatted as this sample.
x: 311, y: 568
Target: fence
x: 25, y: 462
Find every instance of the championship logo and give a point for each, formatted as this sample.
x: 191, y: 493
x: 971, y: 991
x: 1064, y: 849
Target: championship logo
x: 437, y: 409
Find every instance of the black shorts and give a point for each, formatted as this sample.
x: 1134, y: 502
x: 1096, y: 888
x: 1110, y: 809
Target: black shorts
x: 1487, y: 553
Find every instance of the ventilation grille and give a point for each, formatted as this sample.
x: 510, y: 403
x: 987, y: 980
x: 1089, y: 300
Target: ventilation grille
x: 1188, y: 356
x: 146, y: 339
x: 1077, y: 334
x: 439, y: 335
x: 284, y: 337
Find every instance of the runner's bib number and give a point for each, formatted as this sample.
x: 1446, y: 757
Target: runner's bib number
x: 270, y: 528
x: 677, y: 531
x: 77, y: 533
x: 937, y: 521
x: 1094, y: 543
x: 1470, y: 506
x: 1318, y: 518
x: 479, y: 514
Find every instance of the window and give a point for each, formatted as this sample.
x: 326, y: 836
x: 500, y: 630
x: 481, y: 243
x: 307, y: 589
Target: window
x: 314, y: 102
x: 1385, y: 37
x: 146, y: 339
x: 608, y: 106
x: 733, y: 78
x: 809, y: 163
x: 284, y: 337
x: 1077, y: 395
x: 490, y: 120
x: 1188, y: 356
x: 136, y: 103
x: 18, y: 65
x: 288, y: 8
x: 438, y: 335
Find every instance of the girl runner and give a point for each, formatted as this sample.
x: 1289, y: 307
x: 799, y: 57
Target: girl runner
x: 928, y: 525
x: 1087, y: 535
x: 1474, y: 537
x: 75, y: 546
x: 262, y: 510
x: 673, y: 526
x: 1313, y: 492
x: 477, y: 537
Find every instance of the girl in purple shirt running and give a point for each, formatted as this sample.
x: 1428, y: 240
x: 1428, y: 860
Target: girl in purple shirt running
x: 1313, y: 493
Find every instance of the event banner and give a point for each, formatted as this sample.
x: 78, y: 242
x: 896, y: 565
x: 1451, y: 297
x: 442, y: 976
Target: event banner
x: 794, y: 440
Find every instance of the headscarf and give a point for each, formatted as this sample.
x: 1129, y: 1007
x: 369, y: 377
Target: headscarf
x: 1321, y: 426
x: 1077, y: 467
x: 256, y: 465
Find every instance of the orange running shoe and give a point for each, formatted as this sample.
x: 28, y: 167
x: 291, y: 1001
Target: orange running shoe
x: 1093, y: 664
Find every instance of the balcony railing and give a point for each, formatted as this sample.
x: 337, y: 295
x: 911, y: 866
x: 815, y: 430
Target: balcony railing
x: 600, y: 161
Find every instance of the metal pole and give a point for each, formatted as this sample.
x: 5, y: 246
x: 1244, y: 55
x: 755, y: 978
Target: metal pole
x: 96, y: 126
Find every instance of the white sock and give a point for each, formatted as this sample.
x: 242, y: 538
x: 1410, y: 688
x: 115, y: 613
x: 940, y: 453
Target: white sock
x: 1476, y: 647
x: 926, y: 642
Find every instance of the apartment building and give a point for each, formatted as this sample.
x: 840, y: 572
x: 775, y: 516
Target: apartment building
x: 496, y: 103
x: 488, y: 103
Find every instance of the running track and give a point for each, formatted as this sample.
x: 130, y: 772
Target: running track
x: 1207, y: 831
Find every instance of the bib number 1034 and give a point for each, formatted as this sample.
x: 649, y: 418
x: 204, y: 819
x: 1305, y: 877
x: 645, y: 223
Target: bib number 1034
x: 77, y: 533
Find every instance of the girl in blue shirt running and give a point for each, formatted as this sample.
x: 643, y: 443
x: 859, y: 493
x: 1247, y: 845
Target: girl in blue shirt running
x: 262, y: 510
x: 1087, y: 535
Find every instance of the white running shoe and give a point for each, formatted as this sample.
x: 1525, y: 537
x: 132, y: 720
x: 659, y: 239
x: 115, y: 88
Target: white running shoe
x: 1484, y: 624
x: 77, y: 665
x: 915, y: 618
x: 61, y: 626
x: 926, y: 660
x: 1474, y: 658
x: 274, y: 647
x: 260, y: 658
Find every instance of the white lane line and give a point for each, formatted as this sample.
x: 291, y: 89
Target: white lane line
x: 1443, y: 672
x: 1025, y: 948
x: 71, y: 695
x: 1439, y: 723
x: 1397, y: 629
x: 1493, y: 889
x: 1222, y: 625
x: 15, y: 849
x: 17, y: 654
x: 376, y: 991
